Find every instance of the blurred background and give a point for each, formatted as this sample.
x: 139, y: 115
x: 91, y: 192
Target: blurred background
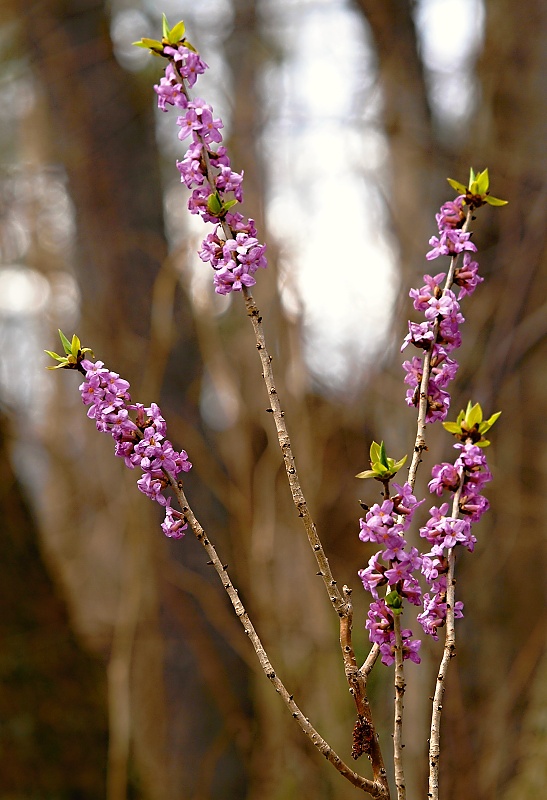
x: 123, y: 672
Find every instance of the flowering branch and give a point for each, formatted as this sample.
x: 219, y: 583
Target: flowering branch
x: 232, y: 250
x: 235, y: 254
x: 384, y: 524
x: 142, y: 443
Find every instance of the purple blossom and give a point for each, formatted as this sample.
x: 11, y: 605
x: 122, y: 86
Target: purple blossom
x: 191, y: 168
x: 373, y: 576
x: 170, y: 91
x: 398, y: 572
x: 438, y: 335
x: 431, y: 289
x: 471, y: 457
x: 234, y: 270
x: 414, y: 372
x: 433, y: 566
x: 393, y: 543
x: 451, y: 242
x: 445, y: 477
x: 229, y: 181
x: 189, y: 64
x: 474, y: 505
x: 434, y: 613
x: 381, y: 516
x: 379, y: 622
x: 410, y: 648
x: 411, y: 590
x: 449, y: 332
x: 239, y: 224
x: 232, y: 279
x: 444, y: 371
x: 438, y: 403
x: 419, y: 334
x: 140, y: 442
x: 174, y: 524
x: 152, y: 486
x: 380, y: 627
x: 445, y: 532
x: 445, y: 306
x: 467, y: 277
x: 405, y: 502
x: 451, y: 214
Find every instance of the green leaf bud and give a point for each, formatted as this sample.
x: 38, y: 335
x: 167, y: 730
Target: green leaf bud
x: 383, y: 467
x: 470, y: 426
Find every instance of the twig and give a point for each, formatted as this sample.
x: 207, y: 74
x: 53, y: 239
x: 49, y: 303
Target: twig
x: 448, y: 653
x: 338, y: 601
x: 364, y: 737
x: 370, y: 661
x: 400, y: 686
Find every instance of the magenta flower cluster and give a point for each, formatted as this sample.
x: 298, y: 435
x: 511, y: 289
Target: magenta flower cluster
x: 443, y: 532
x: 385, y: 525
x: 395, y: 566
x: 140, y: 442
x: 232, y: 250
x: 440, y: 333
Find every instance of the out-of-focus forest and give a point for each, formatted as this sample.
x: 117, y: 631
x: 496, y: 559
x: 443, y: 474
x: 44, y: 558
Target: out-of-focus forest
x: 123, y: 671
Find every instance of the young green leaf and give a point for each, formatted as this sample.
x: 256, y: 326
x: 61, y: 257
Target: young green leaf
x: 214, y: 204
x: 67, y: 346
x: 470, y: 426
x: 495, y: 201
x: 177, y: 33
x: 482, y: 182
x: 458, y: 187
x: 155, y: 47
x: 383, y: 467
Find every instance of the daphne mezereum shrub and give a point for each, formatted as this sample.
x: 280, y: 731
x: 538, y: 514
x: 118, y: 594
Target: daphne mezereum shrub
x: 397, y: 573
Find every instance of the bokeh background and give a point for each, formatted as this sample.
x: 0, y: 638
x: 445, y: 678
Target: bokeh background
x: 123, y: 673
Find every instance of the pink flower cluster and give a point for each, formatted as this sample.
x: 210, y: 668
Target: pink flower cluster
x: 443, y: 532
x: 394, y: 566
x: 141, y: 443
x: 385, y: 524
x: 440, y: 333
x: 232, y: 250
x: 380, y: 627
